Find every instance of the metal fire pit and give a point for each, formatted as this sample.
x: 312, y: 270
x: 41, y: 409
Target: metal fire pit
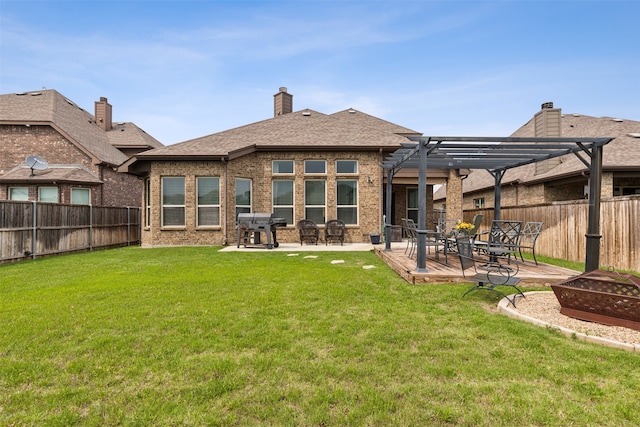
x: 257, y: 223
x: 601, y: 296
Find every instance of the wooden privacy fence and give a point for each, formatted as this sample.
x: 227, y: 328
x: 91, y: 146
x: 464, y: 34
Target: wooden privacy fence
x: 566, y: 224
x: 33, y: 229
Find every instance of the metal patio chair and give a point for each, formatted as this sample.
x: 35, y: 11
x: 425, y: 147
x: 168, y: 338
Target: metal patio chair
x: 497, y: 273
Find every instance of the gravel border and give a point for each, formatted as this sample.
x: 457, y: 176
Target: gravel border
x: 543, y: 309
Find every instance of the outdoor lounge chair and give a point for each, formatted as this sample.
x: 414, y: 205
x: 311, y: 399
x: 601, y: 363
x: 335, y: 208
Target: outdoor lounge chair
x: 334, y: 230
x: 308, y: 230
x: 497, y: 273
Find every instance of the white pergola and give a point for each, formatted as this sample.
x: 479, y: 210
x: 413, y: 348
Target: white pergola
x: 495, y: 155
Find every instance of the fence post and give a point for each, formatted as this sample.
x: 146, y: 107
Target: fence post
x: 90, y: 228
x: 34, y: 237
x: 128, y: 226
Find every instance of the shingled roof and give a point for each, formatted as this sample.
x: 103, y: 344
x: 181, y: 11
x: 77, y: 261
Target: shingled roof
x: 49, y: 107
x: 620, y: 154
x: 300, y: 130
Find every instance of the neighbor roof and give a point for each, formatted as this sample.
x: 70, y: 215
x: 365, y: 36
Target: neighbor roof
x: 70, y: 174
x: 620, y: 154
x: 49, y: 107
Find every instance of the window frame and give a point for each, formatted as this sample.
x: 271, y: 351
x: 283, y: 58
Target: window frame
x: 240, y: 206
x: 340, y: 206
x: 479, y: 203
x: 323, y: 206
x: 10, y: 194
x: 76, y: 191
x: 165, y: 206
x: 273, y: 167
x: 309, y: 162
x: 412, y: 212
x: 147, y: 202
x: 46, y: 188
x: 203, y: 205
x: 275, y: 206
x: 355, y: 163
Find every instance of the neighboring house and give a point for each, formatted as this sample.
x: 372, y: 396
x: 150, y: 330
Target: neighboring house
x: 564, y: 178
x: 82, y: 151
x: 297, y: 165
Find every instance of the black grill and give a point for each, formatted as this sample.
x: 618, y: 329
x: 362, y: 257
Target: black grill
x: 257, y: 223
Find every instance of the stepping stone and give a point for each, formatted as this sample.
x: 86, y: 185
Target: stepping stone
x: 337, y: 261
x: 368, y: 267
x: 311, y: 256
x: 293, y: 254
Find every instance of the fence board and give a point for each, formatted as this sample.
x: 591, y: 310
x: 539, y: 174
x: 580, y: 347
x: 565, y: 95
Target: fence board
x: 566, y: 224
x: 63, y: 228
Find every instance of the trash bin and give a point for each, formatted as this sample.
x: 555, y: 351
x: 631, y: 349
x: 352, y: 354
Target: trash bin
x: 375, y: 239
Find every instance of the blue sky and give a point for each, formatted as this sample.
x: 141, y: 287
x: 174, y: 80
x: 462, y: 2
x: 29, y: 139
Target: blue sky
x: 185, y: 69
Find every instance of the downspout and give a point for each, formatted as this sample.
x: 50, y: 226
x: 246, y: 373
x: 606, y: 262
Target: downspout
x: 388, y: 207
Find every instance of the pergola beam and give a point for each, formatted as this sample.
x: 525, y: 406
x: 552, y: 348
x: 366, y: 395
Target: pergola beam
x: 496, y: 155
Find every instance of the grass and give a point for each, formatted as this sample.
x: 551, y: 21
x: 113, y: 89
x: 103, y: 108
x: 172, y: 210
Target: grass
x: 193, y: 336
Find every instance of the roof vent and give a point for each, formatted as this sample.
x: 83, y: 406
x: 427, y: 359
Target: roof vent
x: 617, y: 120
x: 634, y: 135
x: 352, y: 111
x: 306, y: 113
x: 547, y: 105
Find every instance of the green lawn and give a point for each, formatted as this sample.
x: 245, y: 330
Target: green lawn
x: 193, y: 336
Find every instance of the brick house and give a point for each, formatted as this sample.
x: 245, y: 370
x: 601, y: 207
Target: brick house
x: 563, y: 178
x: 298, y: 165
x: 83, y: 151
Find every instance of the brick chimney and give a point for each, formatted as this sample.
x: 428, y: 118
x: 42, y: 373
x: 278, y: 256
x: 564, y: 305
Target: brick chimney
x: 282, y: 102
x: 548, y: 124
x: 103, y: 114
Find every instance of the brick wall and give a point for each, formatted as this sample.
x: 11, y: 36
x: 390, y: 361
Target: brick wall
x: 257, y: 167
x: 18, y: 142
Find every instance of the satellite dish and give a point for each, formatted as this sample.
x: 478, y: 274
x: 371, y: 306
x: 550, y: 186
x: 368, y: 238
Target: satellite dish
x: 36, y: 164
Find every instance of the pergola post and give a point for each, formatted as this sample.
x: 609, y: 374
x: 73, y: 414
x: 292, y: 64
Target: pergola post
x: 421, y: 243
x: 592, y: 261
x: 388, y: 207
x: 497, y: 193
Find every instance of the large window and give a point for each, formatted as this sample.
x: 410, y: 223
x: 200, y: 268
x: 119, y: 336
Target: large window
x: 412, y: 204
x: 80, y: 196
x: 48, y: 194
x: 147, y: 203
x: 280, y: 167
x: 19, y: 193
x: 315, y: 167
x: 208, y: 201
x: 243, y: 196
x: 173, y: 202
x: 315, y: 200
x: 283, y: 199
x: 347, y: 201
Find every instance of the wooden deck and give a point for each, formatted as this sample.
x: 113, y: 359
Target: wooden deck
x: 530, y: 273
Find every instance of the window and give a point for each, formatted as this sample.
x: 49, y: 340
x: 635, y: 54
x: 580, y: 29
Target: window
x: 147, y: 203
x: 478, y: 203
x: 80, y: 196
x: 282, y: 167
x: 243, y: 196
x: 412, y: 204
x: 173, y: 202
x: 344, y: 167
x: 314, y: 200
x: 208, y: 212
x: 315, y: 167
x: 283, y: 199
x: 48, y: 194
x: 19, y: 193
x: 347, y: 201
